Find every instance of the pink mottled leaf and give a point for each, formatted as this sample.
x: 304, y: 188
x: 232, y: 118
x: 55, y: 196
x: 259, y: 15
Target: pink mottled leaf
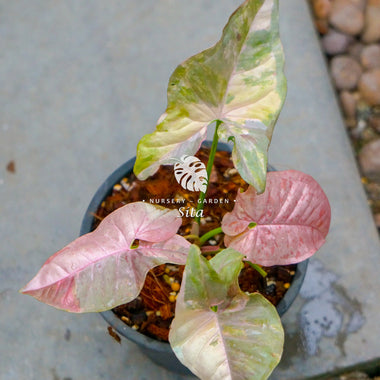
x: 284, y: 225
x: 107, y: 267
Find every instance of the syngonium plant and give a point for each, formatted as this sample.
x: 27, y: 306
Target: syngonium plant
x: 219, y: 332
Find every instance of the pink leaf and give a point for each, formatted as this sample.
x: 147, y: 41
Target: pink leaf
x: 286, y: 224
x: 101, y: 270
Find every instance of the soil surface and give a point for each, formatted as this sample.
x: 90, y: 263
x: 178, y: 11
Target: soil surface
x: 153, y: 310
x: 350, y: 38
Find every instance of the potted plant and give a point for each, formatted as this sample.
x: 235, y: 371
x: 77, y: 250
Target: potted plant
x: 238, y: 88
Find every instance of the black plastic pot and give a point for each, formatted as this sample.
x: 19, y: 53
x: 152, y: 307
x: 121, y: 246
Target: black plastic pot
x: 161, y: 352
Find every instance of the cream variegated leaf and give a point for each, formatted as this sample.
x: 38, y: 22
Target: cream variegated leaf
x: 239, y: 81
x: 249, y: 153
x: 218, y: 331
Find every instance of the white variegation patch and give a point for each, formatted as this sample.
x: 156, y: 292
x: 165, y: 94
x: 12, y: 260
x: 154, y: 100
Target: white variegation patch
x: 239, y: 81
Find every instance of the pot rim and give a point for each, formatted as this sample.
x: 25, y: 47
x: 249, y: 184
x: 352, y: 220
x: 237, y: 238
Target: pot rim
x: 123, y: 329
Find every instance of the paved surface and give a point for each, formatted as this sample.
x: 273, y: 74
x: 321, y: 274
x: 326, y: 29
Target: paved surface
x: 80, y: 83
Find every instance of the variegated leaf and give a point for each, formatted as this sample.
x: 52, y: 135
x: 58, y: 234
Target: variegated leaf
x: 218, y: 331
x: 239, y: 81
x: 285, y: 225
x: 249, y: 153
x: 107, y: 267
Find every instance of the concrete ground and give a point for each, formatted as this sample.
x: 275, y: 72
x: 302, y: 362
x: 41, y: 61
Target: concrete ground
x: 80, y: 84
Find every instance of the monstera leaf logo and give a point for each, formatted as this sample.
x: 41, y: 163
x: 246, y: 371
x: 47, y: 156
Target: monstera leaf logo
x: 191, y: 173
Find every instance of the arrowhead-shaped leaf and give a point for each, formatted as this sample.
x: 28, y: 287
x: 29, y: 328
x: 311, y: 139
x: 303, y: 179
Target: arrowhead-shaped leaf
x: 284, y: 225
x: 107, y: 267
x: 218, y: 331
x: 239, y: 81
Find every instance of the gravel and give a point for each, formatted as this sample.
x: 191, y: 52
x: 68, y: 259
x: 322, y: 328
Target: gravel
x: 350, y: 38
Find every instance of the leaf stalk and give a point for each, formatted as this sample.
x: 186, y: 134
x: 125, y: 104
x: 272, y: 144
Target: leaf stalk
x: 210, y: 163
x: 258, y: 268
x: 208, y: 235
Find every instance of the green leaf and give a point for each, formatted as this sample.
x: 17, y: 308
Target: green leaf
x: 204, y: 286
x: 218, y: 331
x: 239, y: 81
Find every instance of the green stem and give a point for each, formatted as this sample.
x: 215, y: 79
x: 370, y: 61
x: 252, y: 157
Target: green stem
x: 210, y: 163
x: 209, y: 235
x: 258, y: 268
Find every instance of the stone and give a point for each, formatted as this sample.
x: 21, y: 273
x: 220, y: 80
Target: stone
x: 371, y: 32
x: 349, y: 102
x: 370, y: 56
x: 346, y: 17
x: 369, y: 87
x: 374, y: 122
x: 360, y: 4
x: 377, y: 220
x: 321, y: 25
x: 369, y: 159
x: 335, y: 42
x: 373, y: 190
x: 366, y: 134
x: 321, y: 8
x: 351, y: 123
x: 345, y: 72
x: 355, y: 50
